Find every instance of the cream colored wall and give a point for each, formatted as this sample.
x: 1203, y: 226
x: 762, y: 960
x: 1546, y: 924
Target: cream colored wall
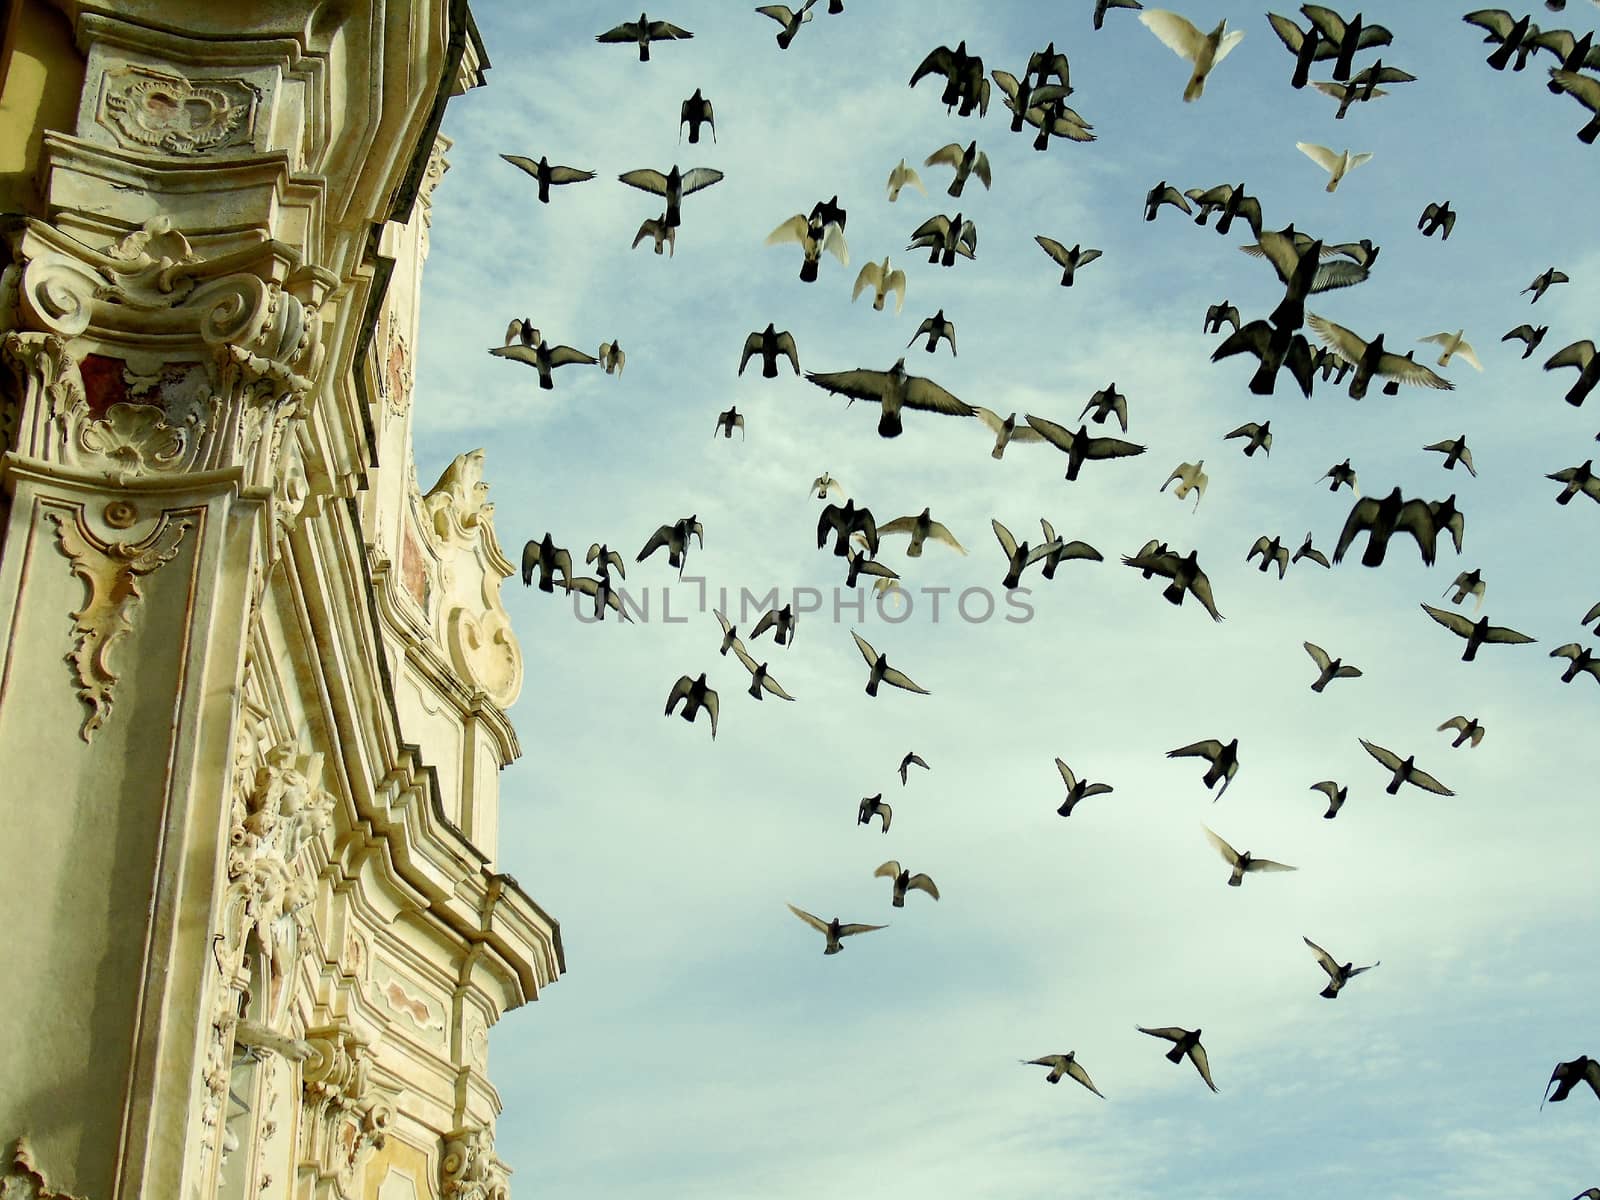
x: 41, y: 74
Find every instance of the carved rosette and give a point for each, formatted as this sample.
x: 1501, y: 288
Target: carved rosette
x: 23, y: 1180
x: 470, y: 1170
x: 150, y: 109
x: 345, y: 1115
x: 111, y: 570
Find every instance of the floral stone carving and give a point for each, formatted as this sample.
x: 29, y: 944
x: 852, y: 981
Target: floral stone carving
x: 167, y: 112
x: 111, y: 571
x: 470, y: 1170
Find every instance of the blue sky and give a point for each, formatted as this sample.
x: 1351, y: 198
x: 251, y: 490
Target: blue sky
x: 701, y: 1044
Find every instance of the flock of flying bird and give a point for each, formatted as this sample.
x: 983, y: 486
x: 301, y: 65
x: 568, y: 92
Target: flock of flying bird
x: 1305, y: 265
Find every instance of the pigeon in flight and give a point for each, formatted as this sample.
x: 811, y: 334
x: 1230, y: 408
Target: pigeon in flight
x: 1405, y: 771
x: 1342, y: 474
x: 1581, y: 355
x: 1187, y: 1042
x: 833, y: 930
x: 1059, y: 551
x: 642, y: 32
x: 695, y: 695
x: 546, y: 174
x: 1066, y: 1064
x: 1077, y: 789
x: 612, y: 358
x: 882, y: 279
x: 946, y: 237
x: 861, y: 564
x: 1204, y: 50
x: 1271, y: 551
x: 1363, y: 87
x: 1453, y: 344
x: 605, y: 560
x: 1578, y: 479
x: 813, y: 236
x: 781, y: 621
x: 1339, y: 974
x: 1080, y: 447
x: 1006, y: 431
x: 760, y: 680
x: 1510, y: 32
x: 1476, y: 633
x: 1242, y: 863
x: 1105, y: 403
x: 1346, y: 36
x: 730, y: 635
x: 1216, y: 314
x: 1454, y: 451
x: 1543, y: 282
x: 934, y: 328
x: 905, y: 881
x: 1068, y: 260
x: 1019, y: 556
x: 695, y: 112
x: 547, y: 558
x: 1582, y: 659
x: 675, y: 538
x: 1231, y: 202
x: 1467, y: 729
x: 1190, y: 478
x: 1224, y: 761
x: 1164, y: 193
x: 1258, y: 437
x: 1298, y: 261
x: 1307, y: 45
x: 1437, y: 218
x: 1468, y: 583
x: 873, y: 806
x: 605, y: 596
x: 657, y: 230
x: 788, y: 18
x: 1336, y: 796
x: 1330, y: 668
x: 903, y: 176
x: 770, y: 344
x: 727, y: 422
x: 1276, y: 345
x: 963, y: 74
x: 845, y: 521
x: 911, y: 759
x: 1370, y: 358
x: 674, y: 185
x: 1185, y: 574
x: 1338, y: 165
x: 967, y: 162
x: 1308, y: 551
x: 544, y: 358
x: 1024, y: 96
x: 920, y: 528
x: 882, y: 672
x: 1585, y: 89
x: 1569, y: 1075
x: 894, y: 389
x: 1383, y: 518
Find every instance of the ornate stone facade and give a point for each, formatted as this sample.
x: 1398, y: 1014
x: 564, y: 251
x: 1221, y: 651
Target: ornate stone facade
x: 253, y: 679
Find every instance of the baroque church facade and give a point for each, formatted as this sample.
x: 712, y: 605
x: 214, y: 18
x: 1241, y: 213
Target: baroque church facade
x: 253, y: 678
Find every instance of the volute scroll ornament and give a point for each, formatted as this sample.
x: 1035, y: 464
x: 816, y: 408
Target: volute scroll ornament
x: 470, y: 1170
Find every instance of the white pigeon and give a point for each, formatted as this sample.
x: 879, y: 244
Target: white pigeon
x: 1336, y: 165
x: 883, y: 280
x: 1453, y: 345
x: 900, y: 177
x: 1190, y: 478
x: 1204, y: 50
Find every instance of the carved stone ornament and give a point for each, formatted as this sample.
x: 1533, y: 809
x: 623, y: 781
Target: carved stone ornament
x: 470, y: 1170
x: 396, y: 381
x: 345, y: 1115
x: 459, y: 501
x: 23, y: 1180
x: 111, y: 571
x: 485, y: 650
x: 160, y: 111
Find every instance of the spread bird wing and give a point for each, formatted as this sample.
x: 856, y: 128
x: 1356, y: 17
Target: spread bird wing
x: 1416, y: 518
x: 795, y: 229
x: 1049, y: 1060
x: 888, y: 870
x: 699, y: 179
x: 660, y: 538
x: 1087, y: 256
x: 1007, y: 542
x: 853, y: 929
x: 1428, y: 783
x: 930, y: 397
x: 743, y: 656
x: 1496, y: 20
x: 1454, y: 622
x: 1043, y: 552
x: 940, y: 60
x: 870, y: 274
x: 1082, y: 1076
x: 980, y: 168
x: 1226, y: 45
x: 772, y: 685
x: 1387, y: 757
x: 816, y: 923
x: 1338, y: 274
x: 527, y: 164
x: 944, y: 156
x: 923, y: 883
x: 646, y: 180
x: 752, y: 345
x: 1058, y: 436
x: 1457, y: 723
x: 1201, y: 587
x: 562, y: 356
x: 1228, y: 852
x: 679, y: 690
x: 939, y: 225
x: 1290, y: 34
x: 1340, y: 340
x: 780, y: 13
x: 768, y: 621
x: 833, y: 242
x: 1578, y: 354
x: 1176, y: 33
x: 1500, y: 635
x: 898, y: 525
x: 522, y: 354
x: 989, y: 417
x: 1053, y: 248
x: 1008, y: 85
x: 1321, y: 155
x: 860, y: 384
x: 1328, y: 788
x: 1266, y: 864
x: 1080, y: 550
x: 1318, y: 654
x: 1100, y: 448
x: 1210, y: 748
x: 626, y: 32
x: 1197, y: 1052
x: 727, y: 625
x: 867, y: 652
x: 1067, y: 776
x: 785, y: 345
x: 569, y: 175
x: 1362, y: 516
x: 1171, y: 1032
x: 901, y: 680
x: 941, y: 533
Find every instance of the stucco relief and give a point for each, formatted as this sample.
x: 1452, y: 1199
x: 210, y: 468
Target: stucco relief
x: 470, y: 1170
x: 161, y: 111
x: 344, y: 1113
x: 406, y: 999
x: 111, y: 570
x: 23, y: 1180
